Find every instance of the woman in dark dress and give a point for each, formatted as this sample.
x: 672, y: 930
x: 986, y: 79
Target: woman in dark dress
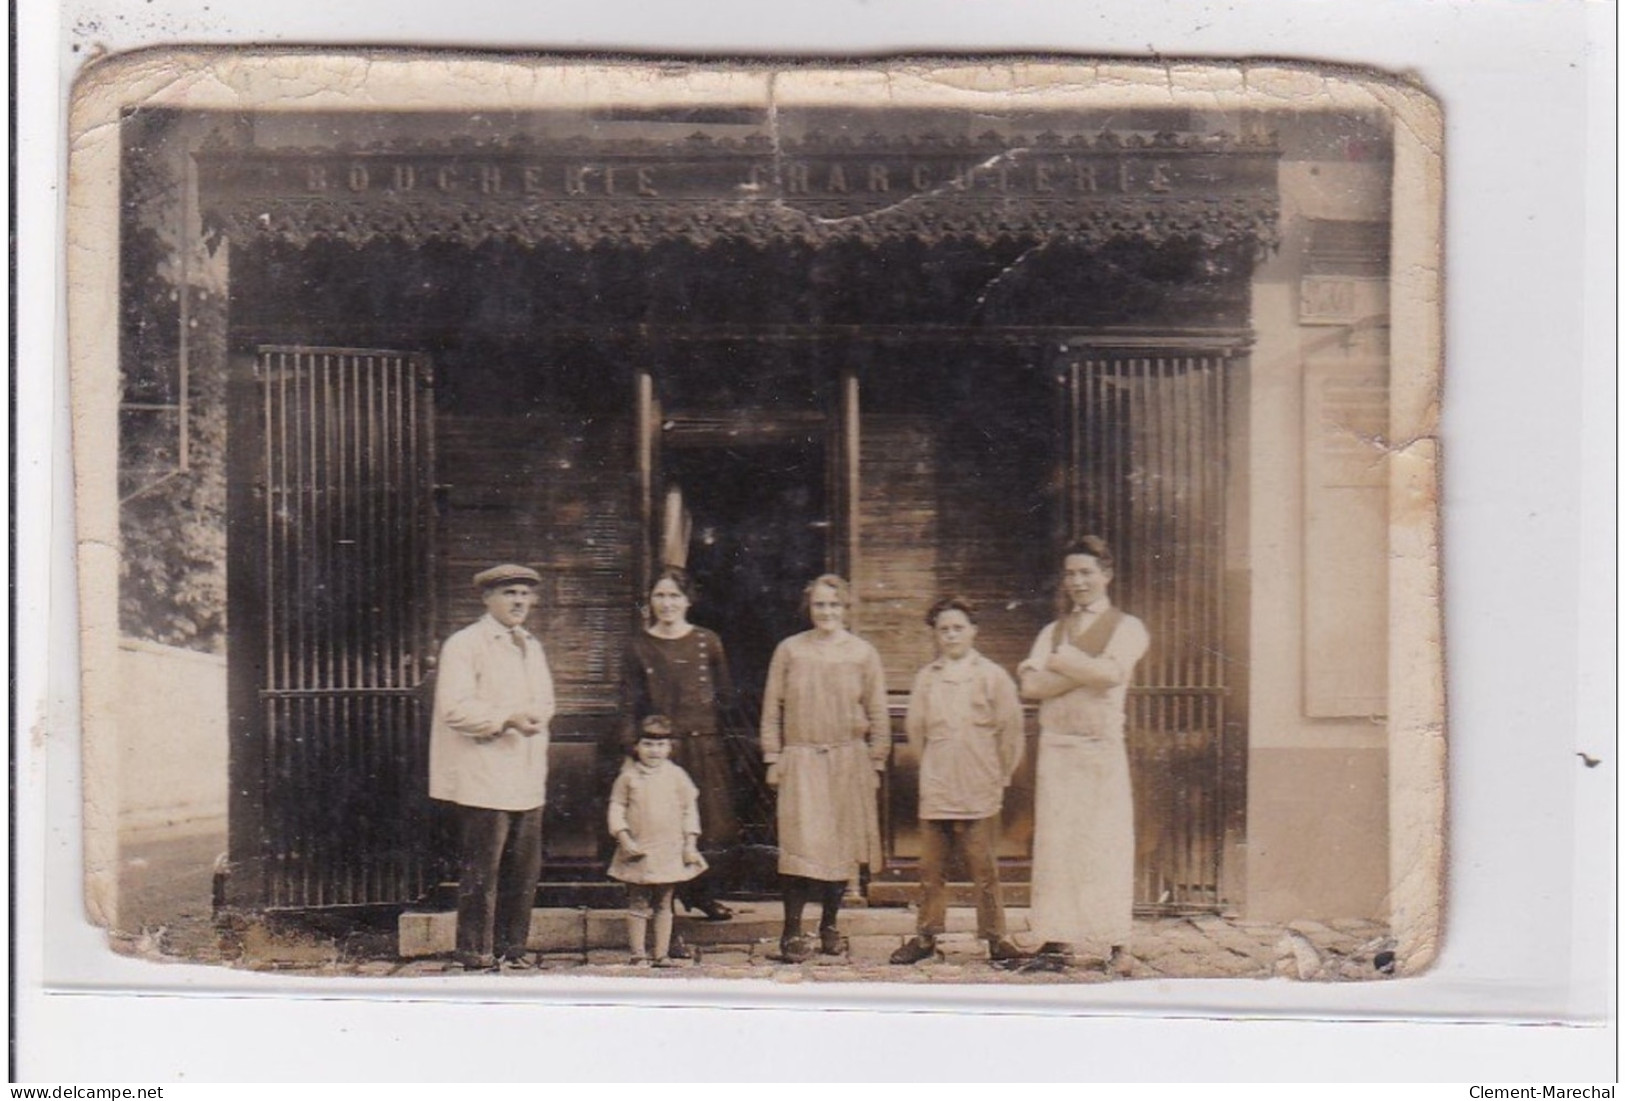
x: 679, y: 670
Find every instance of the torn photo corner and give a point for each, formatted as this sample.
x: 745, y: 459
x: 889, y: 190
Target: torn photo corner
x: 953, y: 521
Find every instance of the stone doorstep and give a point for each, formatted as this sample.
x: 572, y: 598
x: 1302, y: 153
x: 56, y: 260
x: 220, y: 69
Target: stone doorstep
x: 565, y: 930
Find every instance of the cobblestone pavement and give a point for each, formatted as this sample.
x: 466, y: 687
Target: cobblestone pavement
x: 170, y: 918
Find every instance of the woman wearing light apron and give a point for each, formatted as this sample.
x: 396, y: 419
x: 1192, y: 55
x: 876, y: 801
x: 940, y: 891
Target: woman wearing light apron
x: 825, y: 737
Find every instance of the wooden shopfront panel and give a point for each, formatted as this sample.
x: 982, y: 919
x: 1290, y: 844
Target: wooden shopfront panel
x: 535, y: 468
x: 955, y: 497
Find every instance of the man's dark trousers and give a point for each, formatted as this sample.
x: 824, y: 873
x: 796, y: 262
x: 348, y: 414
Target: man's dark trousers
x: 496, y: 884
x: 976, y: 840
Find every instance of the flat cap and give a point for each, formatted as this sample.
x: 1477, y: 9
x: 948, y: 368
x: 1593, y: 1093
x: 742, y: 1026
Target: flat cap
x: 506, y: 574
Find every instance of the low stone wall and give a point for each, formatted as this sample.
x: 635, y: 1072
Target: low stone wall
x: 172, y: 739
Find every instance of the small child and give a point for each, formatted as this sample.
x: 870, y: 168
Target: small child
x: 654, y: 816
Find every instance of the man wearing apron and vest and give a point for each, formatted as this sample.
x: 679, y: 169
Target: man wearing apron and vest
x: 1083, y: 831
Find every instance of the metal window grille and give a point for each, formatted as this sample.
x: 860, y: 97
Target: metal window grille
x: 1149, y: 438
x: 346, y: 532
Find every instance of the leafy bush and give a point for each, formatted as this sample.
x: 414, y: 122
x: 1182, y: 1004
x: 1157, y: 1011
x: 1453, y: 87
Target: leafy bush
x: 172, y: 522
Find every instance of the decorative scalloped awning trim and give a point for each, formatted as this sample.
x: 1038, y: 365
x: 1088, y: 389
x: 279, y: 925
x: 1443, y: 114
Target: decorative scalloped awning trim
x: 990, y: 190
x: 1090, y: 224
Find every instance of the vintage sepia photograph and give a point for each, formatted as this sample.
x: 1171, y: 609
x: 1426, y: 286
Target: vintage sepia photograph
x: 908, y: 521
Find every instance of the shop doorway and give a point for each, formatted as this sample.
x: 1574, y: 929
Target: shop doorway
x: 744, y: 504
x: 758, y: 526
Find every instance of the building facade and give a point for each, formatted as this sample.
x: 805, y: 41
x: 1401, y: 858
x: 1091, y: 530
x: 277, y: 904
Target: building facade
x: 918, y: 348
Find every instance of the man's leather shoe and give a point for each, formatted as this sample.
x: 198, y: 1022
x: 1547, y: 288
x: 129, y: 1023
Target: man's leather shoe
x: 1045, y: 961
x: 1005, y: 950
x: 915, y: 949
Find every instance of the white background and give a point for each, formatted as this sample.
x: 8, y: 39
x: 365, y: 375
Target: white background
x: 1528, y: 437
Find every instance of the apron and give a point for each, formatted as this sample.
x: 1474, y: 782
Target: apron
x: 1083, y: 835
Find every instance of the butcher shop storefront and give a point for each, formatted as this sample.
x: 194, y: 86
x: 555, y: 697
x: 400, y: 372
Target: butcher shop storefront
x: 920, y: 351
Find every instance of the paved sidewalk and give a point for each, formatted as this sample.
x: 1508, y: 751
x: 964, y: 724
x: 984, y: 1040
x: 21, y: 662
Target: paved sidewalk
x: 169, y: 918
x: 1174, y: 947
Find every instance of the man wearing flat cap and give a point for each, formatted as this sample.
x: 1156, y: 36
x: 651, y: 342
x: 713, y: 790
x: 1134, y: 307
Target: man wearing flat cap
x: 488, y: 755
